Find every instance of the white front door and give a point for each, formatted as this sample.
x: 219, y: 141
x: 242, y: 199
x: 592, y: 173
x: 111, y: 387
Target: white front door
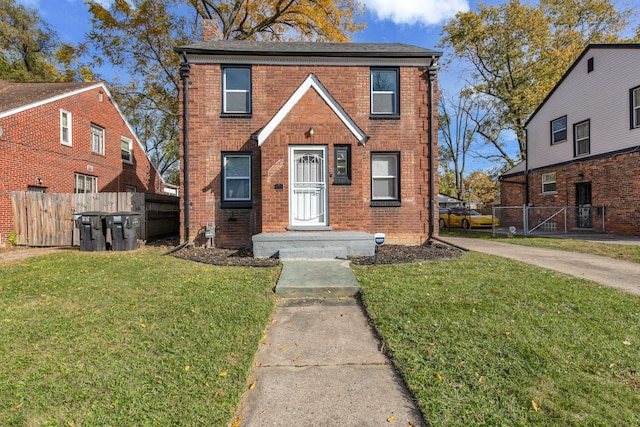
x: 308, y: 185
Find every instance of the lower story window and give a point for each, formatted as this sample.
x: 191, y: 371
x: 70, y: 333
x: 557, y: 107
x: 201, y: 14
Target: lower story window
x: 549, y: 182
x: 85, y: 184
x: 385, y: 177
x: 236, y: 182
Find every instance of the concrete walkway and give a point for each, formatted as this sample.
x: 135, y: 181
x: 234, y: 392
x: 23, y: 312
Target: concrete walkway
x: 622, y: 275
x: 20, y: 253
x: 320, y: 362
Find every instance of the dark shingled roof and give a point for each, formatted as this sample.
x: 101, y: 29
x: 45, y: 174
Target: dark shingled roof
x: 319, y: 49
x: 14, y: 95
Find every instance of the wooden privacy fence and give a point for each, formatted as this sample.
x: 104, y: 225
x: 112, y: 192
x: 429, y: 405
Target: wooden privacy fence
x: 48, y: 219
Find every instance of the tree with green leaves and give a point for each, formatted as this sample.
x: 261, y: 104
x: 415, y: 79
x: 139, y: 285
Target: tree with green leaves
x: 138, y: 36
x: 518, y: 51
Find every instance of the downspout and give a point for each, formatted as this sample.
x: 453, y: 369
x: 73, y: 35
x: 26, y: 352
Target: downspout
x: 185, y: 69
x: 433, y: 71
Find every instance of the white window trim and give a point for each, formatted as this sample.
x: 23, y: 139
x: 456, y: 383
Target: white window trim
x: 69, y: 134
x: 85, y: 178
x: 128, y: 141
x: 225, y: 91
x: 225, y: 156
x: 553, y: 133
x: 396, y: 93
x: 547, y: 179
x: 102, y: 143
x: 635, y: 108
x: 395, y: 177
x: 577, y: 141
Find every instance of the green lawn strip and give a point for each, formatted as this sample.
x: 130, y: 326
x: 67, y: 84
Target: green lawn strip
x: 480, y: 339
x: 610, y: 250
x: 127, y: 339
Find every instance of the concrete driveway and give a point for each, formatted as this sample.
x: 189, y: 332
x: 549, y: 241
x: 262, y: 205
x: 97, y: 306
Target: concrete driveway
x: 622, y: 275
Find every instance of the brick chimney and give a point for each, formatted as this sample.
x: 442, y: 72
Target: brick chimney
x: 211, y: 30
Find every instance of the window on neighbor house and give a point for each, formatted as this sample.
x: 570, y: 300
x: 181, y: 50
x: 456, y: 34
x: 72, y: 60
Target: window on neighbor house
x: 85, y: 184
x: 236, y: 182
x: 236, y: 82
x: 549, y: 182
x: 130, y: 188
x: 384, y: 91
x: 582, y: 138
x: 126, y: 150
x: 559, y: 130
x: 635, y: 107
x: 385, y: 177
x: 342, y: 165
x: 36, y: 189
x: 65, y: 127
x: 97, y: 139
x: 590, y: 65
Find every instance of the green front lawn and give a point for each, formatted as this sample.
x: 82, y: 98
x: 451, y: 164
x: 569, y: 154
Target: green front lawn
x: 483, y: 340
x: 127, y: 339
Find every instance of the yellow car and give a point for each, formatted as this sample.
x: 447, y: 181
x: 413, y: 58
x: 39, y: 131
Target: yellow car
x: 465, y: 218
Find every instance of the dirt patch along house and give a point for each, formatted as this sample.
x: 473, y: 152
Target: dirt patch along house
x: 319, y: 140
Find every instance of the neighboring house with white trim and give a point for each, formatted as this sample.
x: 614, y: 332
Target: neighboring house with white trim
x: 67, y: 138
x: 583, y: 144
x: 319, y: 138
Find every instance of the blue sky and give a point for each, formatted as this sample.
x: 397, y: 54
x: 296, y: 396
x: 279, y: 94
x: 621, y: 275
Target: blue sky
x: 416, y: 22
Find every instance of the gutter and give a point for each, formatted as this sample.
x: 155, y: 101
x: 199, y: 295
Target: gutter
x: 185, y: 69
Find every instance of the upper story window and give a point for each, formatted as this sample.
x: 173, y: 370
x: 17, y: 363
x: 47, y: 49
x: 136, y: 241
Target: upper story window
x: 97, y: 139
x: 385, y: 179
x: 582, y: 138
x: 236, y: 182
x: 385, y: 91
x: 559, y: 130
x: 549, y: 182
x: 85, y: 184
x: 65, y: 127
x: 236, y: 82
x: 126, y: 150
x: 635, y: 107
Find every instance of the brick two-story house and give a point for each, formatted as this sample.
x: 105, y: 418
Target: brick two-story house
x: 583, y: 145
x: 67, y: 138
x: 284, y: 139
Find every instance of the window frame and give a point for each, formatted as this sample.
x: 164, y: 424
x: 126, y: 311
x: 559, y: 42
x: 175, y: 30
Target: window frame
x: 95, y: 132
x: 236, y: 202
x: 396, y: 101
x: 249, y: 90
x: 129, y: 142
x: 634, y: 110
x: 548, y: 182
x: 68, y: 127
x: 340, y: 178
x: 85, y: 178
x: 393, y: 201
x: 576, y: 141
x: 554, y: 132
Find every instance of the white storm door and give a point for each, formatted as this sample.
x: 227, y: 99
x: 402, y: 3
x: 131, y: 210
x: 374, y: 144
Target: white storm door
x: 308, y: 185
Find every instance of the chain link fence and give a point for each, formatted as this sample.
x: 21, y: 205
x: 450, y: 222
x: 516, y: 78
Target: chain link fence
x: 550, y: 220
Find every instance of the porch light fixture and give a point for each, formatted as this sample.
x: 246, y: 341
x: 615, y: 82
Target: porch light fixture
x: 311, y: 131
x: 39, y: 180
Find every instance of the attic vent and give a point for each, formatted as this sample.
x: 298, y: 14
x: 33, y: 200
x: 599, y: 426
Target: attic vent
x: 590, y: 65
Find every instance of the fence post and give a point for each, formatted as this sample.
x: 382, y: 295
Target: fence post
x: 525, y: 220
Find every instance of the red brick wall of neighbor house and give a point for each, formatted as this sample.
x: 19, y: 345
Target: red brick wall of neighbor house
x: 615, y: 184
x: 349, y: 206
x: 30, y: 148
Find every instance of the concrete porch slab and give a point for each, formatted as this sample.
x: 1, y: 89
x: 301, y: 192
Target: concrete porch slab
x: 317, y: 279
x: 356, y: 243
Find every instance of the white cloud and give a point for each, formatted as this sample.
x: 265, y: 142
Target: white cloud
x: 424, y: 12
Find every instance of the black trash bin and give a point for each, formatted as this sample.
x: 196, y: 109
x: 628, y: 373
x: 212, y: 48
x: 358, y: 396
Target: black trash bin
x: 125, y: 230
x: 93, y: 231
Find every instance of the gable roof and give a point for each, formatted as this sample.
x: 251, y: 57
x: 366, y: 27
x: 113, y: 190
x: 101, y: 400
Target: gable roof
x: 22, y: 96
x: 311, y: 82
x: 325, y: 49
x: 575, y: 64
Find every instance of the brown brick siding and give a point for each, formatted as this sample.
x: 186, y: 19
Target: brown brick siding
x: 349, y: 205
x: 615, y: 184
x: 30, y: 148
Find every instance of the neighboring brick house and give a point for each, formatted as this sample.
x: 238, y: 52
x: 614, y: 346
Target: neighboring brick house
x: 583, y: 144
x: 66, y: 138
x: 286, y: 137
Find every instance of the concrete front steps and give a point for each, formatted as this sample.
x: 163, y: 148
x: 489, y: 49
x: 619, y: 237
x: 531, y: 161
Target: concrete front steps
x: 317, y: 279
x: 313, y: 244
